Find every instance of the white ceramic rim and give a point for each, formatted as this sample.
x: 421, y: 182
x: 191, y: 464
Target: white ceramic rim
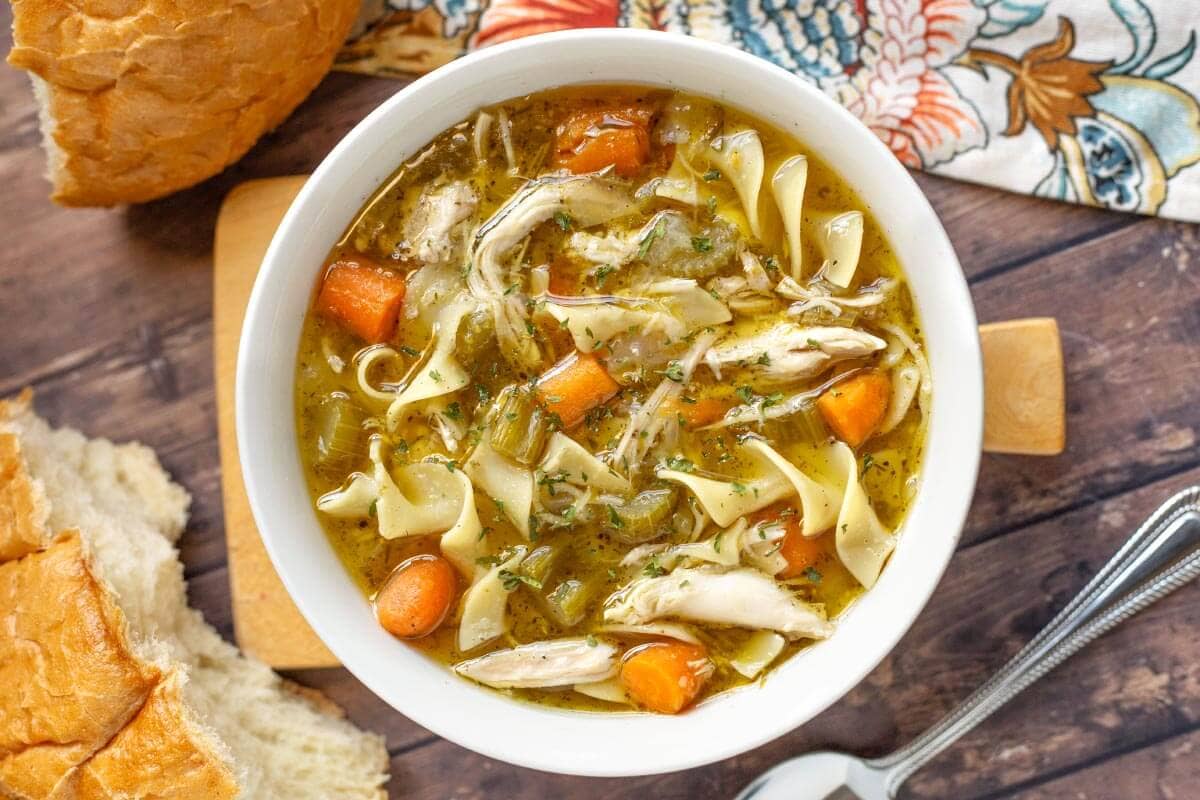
x: 615, y: 744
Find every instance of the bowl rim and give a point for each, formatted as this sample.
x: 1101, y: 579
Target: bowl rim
x: 616, y: 743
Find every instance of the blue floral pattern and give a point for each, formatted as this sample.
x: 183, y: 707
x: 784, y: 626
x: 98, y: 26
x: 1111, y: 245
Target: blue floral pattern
x: 1076, y: 100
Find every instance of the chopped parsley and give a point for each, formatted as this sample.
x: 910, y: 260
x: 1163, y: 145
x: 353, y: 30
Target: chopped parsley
x: 401, y: 447
x: 738, y: 488
x: 372, y: 510
x: 412, y: 352
x: 745, y: 393
x: 712, y: 175
x: 674, y: 372
x: 680, y: 464
x: 813, y: 574
x: 653, y: 569
x: 763, y: 360
x: 602, y: 274
x: 657, y: 232
x: 437, y: 376
x: 563, y: 220
x: 614, y: 518
x: 484, y: 394
x: 550, y: 480
x: 511, y: 580
x: 701, y: 244
x: 453, y: 411
x: 717, y: 542
x: 591, y: 640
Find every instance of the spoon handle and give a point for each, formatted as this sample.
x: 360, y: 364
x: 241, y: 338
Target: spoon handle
x: 1161, y: 555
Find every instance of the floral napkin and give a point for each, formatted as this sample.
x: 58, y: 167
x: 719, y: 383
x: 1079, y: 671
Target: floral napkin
x: 1087, y: 101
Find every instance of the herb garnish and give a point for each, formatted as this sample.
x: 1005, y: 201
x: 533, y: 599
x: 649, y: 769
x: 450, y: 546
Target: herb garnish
x: 653, y: 569
x: 511, y: 580
x: 680, y: 464
x: 674, y: 372
x: 657, y: 232
x: 563, y: 220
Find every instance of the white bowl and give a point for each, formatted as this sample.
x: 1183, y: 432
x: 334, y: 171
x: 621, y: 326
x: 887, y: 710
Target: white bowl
x: 615, y: 744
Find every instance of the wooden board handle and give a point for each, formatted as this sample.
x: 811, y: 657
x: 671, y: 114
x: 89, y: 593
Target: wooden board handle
x: 1024, y: 406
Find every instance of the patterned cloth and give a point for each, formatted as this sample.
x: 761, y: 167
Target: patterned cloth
x: 1087, y: 101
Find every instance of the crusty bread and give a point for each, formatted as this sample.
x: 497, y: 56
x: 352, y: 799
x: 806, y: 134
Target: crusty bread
x: 141, y: 98
x: 65, y: 656
x: 146, y: 694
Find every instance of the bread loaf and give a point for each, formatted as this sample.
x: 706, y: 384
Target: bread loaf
x: 110, y: 685
x: 141, y: 98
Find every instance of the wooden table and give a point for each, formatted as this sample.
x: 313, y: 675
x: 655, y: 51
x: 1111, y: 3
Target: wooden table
x: 107, y: 313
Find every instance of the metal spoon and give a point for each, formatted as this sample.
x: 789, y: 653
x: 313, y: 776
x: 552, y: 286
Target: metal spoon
x: 1161, y: 555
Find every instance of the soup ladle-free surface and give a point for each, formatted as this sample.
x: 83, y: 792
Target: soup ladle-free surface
x: 1158, y: 558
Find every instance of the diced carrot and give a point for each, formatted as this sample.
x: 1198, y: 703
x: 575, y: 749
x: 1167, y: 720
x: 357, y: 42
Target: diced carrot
x: 574, y: 386
x: 363, y: 297
x: 593, y: 139
x: 800, y: 551
x: 704, y: 411
x: 416, y: 597
x: 564, y: 280
x: 854, y: 408
x: 665, y: 676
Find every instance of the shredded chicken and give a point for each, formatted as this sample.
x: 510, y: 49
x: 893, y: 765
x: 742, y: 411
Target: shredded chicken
x: 586, y: 199
x: 558, y: 662
x: 744, y: 598
x: 611, y: 249
x: 645, y: 424
x: 788, y: 351
x: 428, y: 231
x: 819, y: 295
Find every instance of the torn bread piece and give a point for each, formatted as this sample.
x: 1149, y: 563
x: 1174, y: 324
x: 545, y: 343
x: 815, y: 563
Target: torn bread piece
x: 142, y: 98
x: 70, y: 679
x: 229, y: 724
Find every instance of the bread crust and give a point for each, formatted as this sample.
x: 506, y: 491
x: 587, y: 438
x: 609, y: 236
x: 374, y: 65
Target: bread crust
x: 23, y: 506
x: 142, y: 98
x: 161, y: 753
x: 69, y: 677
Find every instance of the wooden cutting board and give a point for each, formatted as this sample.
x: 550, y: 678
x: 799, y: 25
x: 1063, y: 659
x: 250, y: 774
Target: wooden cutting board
x: 1024, y: 412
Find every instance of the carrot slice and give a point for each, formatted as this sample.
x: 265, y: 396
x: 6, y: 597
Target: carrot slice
x: 362, y: 297
x: 594, y: 139
x: 574, y: 386
x: 704, y: 411
x: 800, y: 551
x: 665, y: 676
x: 854, y: 408
x: 416, y: 597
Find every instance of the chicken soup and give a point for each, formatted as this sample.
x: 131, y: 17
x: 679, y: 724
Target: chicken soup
x: 612, y: 398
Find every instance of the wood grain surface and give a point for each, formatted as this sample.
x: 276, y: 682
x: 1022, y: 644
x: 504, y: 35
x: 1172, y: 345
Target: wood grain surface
x: 107, y: 314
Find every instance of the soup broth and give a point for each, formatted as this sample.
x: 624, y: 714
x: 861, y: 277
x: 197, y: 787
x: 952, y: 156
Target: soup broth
x: 612, y: 397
